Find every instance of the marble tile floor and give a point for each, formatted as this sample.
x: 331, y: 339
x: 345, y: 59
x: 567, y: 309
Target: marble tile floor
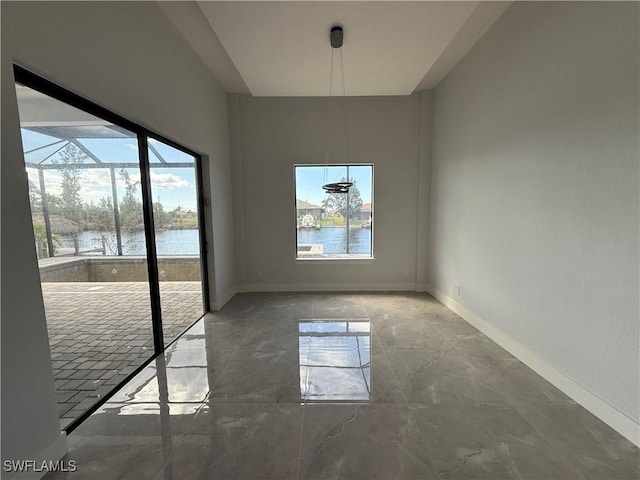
x: 100, y: 332
x: 342, y: 386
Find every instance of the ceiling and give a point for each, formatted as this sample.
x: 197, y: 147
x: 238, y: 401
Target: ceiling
x: 281, y: 48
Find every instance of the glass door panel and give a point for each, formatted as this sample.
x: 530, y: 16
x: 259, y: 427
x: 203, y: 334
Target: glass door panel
x: 86, y: 210
x: 174, y: 187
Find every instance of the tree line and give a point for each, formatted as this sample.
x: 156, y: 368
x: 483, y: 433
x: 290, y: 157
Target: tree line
x: 100, y: 215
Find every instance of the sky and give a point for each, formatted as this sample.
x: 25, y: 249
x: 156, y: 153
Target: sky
x: 172, y: 187
x: 309, y: 181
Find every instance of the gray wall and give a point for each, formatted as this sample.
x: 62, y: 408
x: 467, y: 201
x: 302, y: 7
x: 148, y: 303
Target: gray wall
x: 270, y: 135
x: 129, y: 58
x: 534, y: 190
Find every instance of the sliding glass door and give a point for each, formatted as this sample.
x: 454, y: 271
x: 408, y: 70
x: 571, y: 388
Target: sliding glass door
x: 176, y: 216
x: 117, y: 221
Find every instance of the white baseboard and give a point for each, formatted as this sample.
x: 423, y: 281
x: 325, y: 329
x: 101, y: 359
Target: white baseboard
x: 606, y: 412
x: 224, y: 298
x: 328, y: 287
x: 54, y: 452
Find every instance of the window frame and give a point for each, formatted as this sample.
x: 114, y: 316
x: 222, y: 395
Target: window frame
x: 346, y: 258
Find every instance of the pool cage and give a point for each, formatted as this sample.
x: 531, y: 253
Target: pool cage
x: 93, y: 147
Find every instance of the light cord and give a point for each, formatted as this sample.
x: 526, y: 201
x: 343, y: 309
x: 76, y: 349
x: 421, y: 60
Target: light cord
x: 344, y: 112
x: 326, y: 136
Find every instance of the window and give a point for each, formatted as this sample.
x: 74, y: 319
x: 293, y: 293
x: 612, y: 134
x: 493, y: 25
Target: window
x: 336, y: 225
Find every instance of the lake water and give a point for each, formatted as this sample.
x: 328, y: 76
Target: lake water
x: 334, y: 239
x: 168, y: 242
x: 187, y: 242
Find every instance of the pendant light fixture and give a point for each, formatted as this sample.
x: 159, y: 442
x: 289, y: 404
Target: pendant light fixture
x: 336, y: 38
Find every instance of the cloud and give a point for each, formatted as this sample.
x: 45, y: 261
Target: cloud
x: 94, y: 183
x: 52, y: 182
x: 96, y: 194
x: 32, y: 173
x: 95, y: 177
x: 165, y: 181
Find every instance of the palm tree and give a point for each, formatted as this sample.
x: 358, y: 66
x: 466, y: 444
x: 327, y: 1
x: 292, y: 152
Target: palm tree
x: 325, y: 204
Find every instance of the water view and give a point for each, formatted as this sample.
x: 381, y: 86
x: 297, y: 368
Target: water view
x: 168, y: 242
x: 334, y: 239
x: 187, y: 242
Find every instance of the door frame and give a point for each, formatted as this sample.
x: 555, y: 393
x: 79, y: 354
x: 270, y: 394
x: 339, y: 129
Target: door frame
x: 29, y: 79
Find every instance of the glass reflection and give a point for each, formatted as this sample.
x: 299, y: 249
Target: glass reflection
x: 335, y: 360
x: 181, y: 375
x: 156, y: 409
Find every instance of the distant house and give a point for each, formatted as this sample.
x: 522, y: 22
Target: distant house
x: 305, y: 208
x: 365, y: 211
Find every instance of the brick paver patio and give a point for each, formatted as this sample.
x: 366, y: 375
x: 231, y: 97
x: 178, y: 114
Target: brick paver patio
x: 101, y: 332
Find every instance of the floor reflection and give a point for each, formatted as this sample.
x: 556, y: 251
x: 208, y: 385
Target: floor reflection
x: 251, y: 395
x: 180, y: 375
x: 335, y: 360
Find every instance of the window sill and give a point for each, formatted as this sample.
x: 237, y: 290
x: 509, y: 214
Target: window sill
x: 335, y: 260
